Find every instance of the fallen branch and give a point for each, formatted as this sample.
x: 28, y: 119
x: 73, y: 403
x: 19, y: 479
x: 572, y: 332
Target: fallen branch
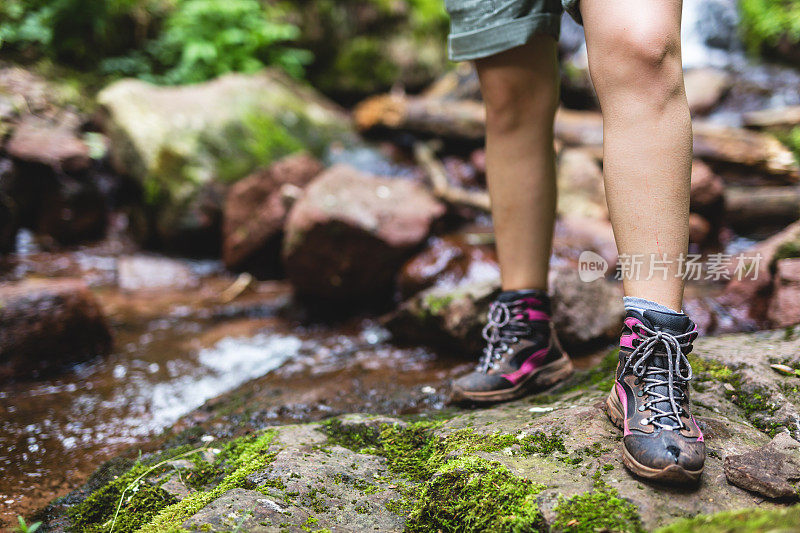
x: 442, y: 188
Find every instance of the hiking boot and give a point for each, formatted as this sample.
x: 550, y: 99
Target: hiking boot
x: 522, y: 353
x: 650, y: 398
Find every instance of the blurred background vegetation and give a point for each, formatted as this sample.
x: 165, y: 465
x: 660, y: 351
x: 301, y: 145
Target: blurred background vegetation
x: 344, y: 48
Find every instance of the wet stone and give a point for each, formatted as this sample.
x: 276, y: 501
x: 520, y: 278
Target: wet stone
x: 46, y: 325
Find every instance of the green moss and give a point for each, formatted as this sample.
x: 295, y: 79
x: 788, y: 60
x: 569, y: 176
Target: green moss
x: 353, y: 436
x: 600, y: 377
x: 473, y: 494
x: 705, y: 370
x: 129, y: 490
x: 755, y: 404
x: 787, y: 250
x: 140, y: 503
x: 147, y: 507
x: 456, y: 489
x: 244, y: 456
x: 743, y: 521
x: 601, y: 509
x: 436, y: 303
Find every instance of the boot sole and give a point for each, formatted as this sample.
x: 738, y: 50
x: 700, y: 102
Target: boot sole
x: 670, y: 474
x: 538, y: 380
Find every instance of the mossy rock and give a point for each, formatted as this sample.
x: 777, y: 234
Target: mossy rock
x: 175, y: 139
x: 550, y: 462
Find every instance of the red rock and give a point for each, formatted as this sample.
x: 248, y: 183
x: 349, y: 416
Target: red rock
x: 54, y: 145
x: 576, y: 234
x: 46, y: 325
x: 707, y: 189
x: 784, y: 306
x: 255, y: 212
x: 699, y: 229
x: 749, y: 296
x: 348, y: 235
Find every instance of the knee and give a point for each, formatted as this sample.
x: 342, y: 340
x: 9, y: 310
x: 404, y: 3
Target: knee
x: 645, y: 57
x: 513, y: 104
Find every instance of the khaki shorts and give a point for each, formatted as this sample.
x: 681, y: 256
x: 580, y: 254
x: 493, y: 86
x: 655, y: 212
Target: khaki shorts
x: 480, y: 28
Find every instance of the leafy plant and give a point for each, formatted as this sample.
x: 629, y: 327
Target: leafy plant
x: 25, y: 528
x: 164, y: 41
x: 77, y: 32
x: 205, y: 38
x: 767, y: 22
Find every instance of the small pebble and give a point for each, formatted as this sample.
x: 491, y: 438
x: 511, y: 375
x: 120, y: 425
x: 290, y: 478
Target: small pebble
x: 540, y: 409
x: 427, y: 389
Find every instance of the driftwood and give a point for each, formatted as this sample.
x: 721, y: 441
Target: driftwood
x: 779, y: 117
x: 747, y: 206
x: 737, y: 146
x: 465, y: 119
x: 442, y: 188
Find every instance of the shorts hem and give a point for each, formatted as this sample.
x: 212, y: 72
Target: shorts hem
x: 485, y: 42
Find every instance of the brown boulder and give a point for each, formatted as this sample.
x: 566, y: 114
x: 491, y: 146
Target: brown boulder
x: 255, y: 211
x: 56, y: 146
x: 580, y: 185
x: 48, y: 324
x: 705, y: 87
x: 772, y: 470
x: 348, y: 235
x: 448, y: 260
x: 784, y: 306
x: 585, y: 313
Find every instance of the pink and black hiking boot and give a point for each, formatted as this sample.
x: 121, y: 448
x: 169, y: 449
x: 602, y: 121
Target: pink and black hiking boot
x: 522, y: 354
x: 650, y: 398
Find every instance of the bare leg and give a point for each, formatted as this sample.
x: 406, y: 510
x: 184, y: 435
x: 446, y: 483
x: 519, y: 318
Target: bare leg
x: 635, y: 64
x: 520, y: 89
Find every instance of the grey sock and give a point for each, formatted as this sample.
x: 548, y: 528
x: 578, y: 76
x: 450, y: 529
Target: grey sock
x: 641, y: 305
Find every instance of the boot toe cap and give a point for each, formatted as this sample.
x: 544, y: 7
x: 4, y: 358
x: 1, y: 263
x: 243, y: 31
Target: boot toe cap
x: 665, y: 448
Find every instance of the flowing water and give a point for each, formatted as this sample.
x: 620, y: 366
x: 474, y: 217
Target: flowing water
x: 175, y: 349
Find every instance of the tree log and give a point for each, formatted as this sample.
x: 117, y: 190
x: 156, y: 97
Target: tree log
x: 748, y: 206
x: 466, y: 119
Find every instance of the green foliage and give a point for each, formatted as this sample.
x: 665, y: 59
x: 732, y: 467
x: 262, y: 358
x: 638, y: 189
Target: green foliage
x: 23, y: 527
x: 767, y: 22
x: 164, y: 41
x: 203, y: 39
x: 743, y: 521
x: 78, y: 32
